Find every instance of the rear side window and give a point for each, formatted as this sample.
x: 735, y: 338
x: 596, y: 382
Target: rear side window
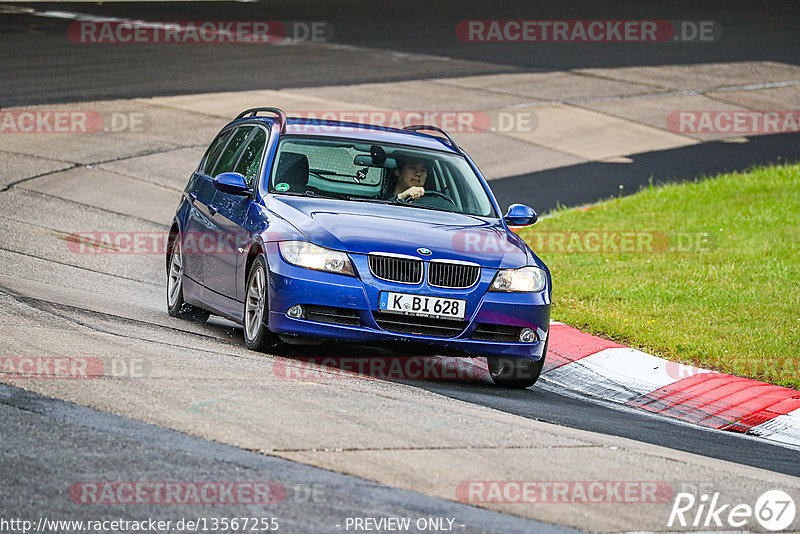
x: 231, y: 153
x: 213, y: 151
x: 250, y: 161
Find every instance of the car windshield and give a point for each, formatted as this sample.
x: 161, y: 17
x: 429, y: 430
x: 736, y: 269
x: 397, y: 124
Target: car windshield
x: 368, y: 172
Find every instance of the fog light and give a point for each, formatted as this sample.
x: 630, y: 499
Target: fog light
x: 295, y: 311
x: 528, y: 335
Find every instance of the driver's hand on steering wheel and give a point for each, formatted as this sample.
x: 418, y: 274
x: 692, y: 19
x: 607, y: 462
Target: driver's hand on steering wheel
x: 412, y: 193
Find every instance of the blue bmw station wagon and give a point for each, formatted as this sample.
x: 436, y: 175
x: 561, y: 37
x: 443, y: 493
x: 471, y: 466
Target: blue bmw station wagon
x: 304, y: 230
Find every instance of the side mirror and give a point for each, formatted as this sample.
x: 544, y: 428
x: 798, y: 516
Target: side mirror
x: 520, y: 215
x: 231, y: 182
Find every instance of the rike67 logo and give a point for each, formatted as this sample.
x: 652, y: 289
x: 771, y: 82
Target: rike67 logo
x: 774, y: 510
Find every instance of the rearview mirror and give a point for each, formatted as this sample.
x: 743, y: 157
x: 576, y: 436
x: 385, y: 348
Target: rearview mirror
x: 231, y: 182
x: 520, y: 215
x: 363, y: 160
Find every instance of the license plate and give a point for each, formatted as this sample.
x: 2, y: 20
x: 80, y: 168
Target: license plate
x: 423, y: 305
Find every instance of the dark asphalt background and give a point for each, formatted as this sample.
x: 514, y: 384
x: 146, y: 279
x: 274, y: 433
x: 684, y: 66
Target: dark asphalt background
x: 41, y: 65
x: 33, y: 49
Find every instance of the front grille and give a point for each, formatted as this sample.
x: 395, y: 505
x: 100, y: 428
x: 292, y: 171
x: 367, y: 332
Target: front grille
x: 394, y: 269
x: 419, y: 326
x: 333, y: 315
x: 452, y: 275
x: 497, y: 332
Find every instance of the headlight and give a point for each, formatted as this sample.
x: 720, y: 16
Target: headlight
x: 527, y: 279
x: 311, y: 256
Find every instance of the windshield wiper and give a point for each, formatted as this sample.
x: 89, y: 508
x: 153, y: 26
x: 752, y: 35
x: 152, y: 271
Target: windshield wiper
x: 317, y: 194
x: 422, y: 206
x: 370, y: 199
x: 321, y: 173
x: 310, y: 194
x: 396, y: 202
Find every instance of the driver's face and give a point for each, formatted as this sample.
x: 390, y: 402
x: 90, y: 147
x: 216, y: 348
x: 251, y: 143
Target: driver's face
x: 412, y: 175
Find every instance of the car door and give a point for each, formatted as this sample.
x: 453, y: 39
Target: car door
x: 200, y: 194
x: 229, y: 214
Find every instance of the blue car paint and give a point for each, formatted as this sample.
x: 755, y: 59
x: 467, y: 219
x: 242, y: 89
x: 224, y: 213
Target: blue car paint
x: 340, y: 224
x: 263, y: 220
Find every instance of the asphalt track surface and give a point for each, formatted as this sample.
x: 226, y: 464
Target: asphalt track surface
x: 50, y: 441
x: 45, y: 441
x: 587, y: 183
x: 34, y: 48
x: 394, y: 41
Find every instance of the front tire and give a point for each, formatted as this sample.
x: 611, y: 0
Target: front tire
x: 516, y: 372
x: 257, y: 335
x: 176, y: 307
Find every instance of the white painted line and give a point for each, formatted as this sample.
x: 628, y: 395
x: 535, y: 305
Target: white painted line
x: 69, y: 15
x: 83, y: 17
x: 105, y: 1
x: 618, y: 374
x: 545, y: 384
x: 784, y: 428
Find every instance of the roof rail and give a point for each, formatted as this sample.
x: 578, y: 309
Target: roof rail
x: 252, y: 112
x: 417, y: 127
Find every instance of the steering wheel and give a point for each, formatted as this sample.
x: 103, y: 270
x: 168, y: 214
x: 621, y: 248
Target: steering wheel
x: 436, y: 194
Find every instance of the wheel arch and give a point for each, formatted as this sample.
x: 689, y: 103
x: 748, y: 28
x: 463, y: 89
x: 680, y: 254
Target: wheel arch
x: 256, y: 249
x: 174, y: 230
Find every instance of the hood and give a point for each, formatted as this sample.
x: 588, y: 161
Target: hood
x: 364, y: 227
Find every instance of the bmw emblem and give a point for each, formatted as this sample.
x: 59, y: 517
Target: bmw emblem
x: 424, y: 251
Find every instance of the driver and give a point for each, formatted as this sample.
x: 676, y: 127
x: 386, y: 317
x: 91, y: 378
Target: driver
x: 409, y: 177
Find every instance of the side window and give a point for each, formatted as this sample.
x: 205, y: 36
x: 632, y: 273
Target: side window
x: 213, y: 151
x: 250, y: 161
x: 451, y: 187
x: 231, y: 153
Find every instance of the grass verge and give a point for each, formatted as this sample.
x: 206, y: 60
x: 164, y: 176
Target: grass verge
x: 705, y: 273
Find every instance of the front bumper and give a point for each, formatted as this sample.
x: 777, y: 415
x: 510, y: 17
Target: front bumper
x: 290, y: 285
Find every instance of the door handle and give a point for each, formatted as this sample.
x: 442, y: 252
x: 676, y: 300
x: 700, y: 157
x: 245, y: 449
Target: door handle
x: 212, y: 209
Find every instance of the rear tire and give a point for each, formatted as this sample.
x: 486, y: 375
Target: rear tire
x: 516, y: 372
x: 176, y: 306
x: 257, y: 335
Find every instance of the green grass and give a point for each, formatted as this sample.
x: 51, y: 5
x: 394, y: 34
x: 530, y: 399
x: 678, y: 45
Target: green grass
x: 718, y: 288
